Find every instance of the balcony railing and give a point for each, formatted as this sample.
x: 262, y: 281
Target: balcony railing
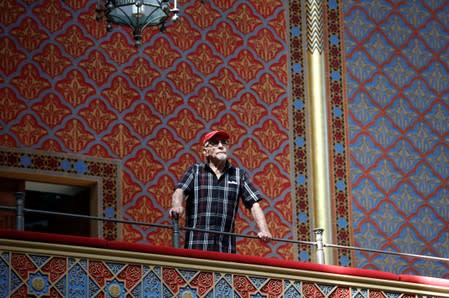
x: 318, y: 244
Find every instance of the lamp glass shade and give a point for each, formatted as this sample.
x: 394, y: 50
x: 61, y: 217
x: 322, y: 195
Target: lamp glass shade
x: 141, y: 13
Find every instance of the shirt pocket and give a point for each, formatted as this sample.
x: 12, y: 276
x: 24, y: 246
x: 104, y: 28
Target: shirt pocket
x: 233, y: 187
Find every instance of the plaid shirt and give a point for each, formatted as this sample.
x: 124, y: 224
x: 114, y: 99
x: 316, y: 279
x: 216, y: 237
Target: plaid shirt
x: 212, y: 204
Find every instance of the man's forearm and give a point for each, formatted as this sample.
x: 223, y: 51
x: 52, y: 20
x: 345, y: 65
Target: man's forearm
x: 259, y: 217
x: 177, y: 198
x: 177, y: 203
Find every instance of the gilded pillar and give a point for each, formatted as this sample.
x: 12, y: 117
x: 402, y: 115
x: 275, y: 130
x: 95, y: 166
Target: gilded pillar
x: 319, y: 147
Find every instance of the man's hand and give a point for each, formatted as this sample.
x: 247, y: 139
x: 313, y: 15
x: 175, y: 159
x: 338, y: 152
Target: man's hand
x: 264, y: 236
x: 264, y: 232
x: 177, y: 209
x: 176, y: 212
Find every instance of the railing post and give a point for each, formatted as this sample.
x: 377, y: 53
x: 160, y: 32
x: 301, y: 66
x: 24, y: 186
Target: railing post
x: 319, y: 245
x: 20, y: 217
x: 175, y: 237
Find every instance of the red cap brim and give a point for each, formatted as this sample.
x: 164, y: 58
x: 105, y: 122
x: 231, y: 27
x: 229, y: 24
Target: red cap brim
x: 216, y: 133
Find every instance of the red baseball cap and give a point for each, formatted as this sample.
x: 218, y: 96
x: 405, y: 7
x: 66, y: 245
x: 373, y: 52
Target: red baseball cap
x: 218, y: 133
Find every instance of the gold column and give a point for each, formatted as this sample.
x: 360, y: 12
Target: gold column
x: 316, y: 94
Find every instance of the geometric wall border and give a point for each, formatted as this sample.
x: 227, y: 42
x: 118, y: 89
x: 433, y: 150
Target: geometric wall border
x: 60, y: 266
x: 337, y: 126
x: 299, y: 135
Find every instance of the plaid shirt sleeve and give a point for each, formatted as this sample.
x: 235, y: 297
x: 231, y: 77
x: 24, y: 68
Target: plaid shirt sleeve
x: 186, y: 182
x: 249, y: 193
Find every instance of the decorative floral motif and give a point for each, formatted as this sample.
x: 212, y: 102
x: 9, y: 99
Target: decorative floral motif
x: 28, y: 130
x: 74, y: 42
x: 74, y: 88
x: 29, y: 34
x: 30, y: 84
x: 10, y: 105
x: 47, y: 10
x: 70, y: 87
x: 10, y: 57
x: 390, y: 104
x: 10, y: 10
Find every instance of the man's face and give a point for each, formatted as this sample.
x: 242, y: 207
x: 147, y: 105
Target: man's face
x: 217, y: 149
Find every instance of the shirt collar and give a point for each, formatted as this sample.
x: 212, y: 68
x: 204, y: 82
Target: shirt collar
x: 226, y: 167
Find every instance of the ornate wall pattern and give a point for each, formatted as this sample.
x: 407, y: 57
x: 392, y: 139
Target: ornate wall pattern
x: 67, y: 86
x: 397, y: 75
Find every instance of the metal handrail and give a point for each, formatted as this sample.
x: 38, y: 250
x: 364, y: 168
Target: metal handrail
x: 173, y: 226
x: 319, y: 245
x: 404, y: 254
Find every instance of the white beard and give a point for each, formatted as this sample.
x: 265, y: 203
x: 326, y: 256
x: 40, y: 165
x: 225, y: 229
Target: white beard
x: 222, y: 156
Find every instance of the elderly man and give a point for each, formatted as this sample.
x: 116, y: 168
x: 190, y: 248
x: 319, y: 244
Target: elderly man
x: 211, y: 192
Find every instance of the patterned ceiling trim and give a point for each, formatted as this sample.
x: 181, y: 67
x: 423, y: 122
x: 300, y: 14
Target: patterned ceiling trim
x: 106, y: 173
